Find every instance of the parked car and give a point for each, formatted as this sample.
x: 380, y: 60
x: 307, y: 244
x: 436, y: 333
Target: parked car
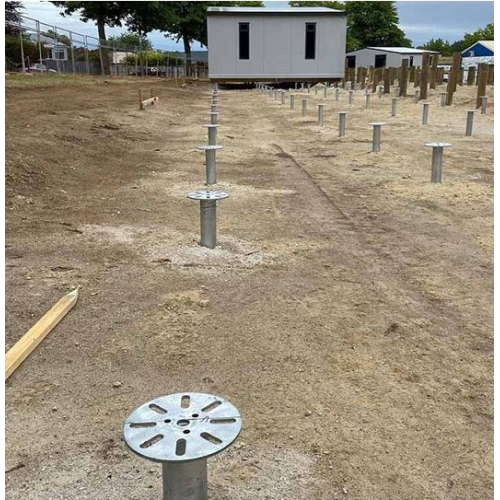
x: 38, y: 68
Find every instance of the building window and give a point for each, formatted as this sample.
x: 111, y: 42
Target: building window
x: 351, y: 61
x: 310, y: 40
x: 244, y: 40
x: 380, y: 61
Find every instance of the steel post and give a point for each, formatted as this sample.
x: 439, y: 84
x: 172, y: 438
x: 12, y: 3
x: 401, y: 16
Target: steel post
x: 484, y: 103
x: 425, y: 113
x: 416, y: 97
x: 470, y: 123
x: 208, y: 224
x: 304, y: 107
x: 377, y: 132
x: 351, y: 97
x: 292, y: 101
x: 443, y: 99
x: 394, y: 106
x: 367, y: 96
x: 342, y: 123
x: 337, y: 93
x: 437, y: 160
x: 320, y: 114
x: 185, y: 481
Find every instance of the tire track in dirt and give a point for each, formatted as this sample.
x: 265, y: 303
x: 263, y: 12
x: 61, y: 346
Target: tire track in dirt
x: 399, y: 275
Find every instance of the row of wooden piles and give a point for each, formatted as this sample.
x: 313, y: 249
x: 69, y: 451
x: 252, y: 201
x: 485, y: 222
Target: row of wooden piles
x: 428, y: 76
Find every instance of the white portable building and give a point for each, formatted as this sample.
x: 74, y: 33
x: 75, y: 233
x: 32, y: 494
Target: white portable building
x: 290, y: 44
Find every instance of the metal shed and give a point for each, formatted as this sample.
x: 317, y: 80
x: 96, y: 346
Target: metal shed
x: 290, y: 44
x: 382, y: 57
x: 482, y: 48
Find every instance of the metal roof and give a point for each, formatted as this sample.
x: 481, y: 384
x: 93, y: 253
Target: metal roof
x: 285, y: 11
x: 397, y: 50
x: 489, y: 44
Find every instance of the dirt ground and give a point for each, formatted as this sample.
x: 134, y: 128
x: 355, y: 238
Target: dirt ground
x: 347, y: 312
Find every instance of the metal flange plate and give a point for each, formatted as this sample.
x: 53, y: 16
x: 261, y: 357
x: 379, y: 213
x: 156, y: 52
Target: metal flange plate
x: 206, y: 147
x: 211, y: 125
x: 182, y: 427
x: 438, y: 144
x: 376, y: 123
x: 207, y: 195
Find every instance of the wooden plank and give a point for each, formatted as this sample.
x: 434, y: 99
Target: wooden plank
x: 30, y: 340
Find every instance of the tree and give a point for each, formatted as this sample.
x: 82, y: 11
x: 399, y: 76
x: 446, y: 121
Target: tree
x: 130, y: 40
x: 439, y: 45
x: 12, y: 17
x: 186, y: 21
x: 486, y: 33
x: 374, y: 24
x: 103, y: 13
x: 368, y: 23
x: 447, y: 49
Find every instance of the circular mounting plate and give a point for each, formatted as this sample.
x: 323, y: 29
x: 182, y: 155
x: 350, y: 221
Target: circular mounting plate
x: 182, y: 427
x: 438, y: 144
x: 376, y: 123
x: 213, y: 113
x: 209, y: 147
x: 342, y: 112
x: 211, y: 125
x: 207, y: 195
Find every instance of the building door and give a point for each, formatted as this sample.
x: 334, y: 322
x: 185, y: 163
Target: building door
x: 351, y: 61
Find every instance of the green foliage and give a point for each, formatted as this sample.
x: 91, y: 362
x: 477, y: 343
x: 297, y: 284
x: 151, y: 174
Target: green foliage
x: 13, y: 51
x: 130, y: 41
x: 12, y: 15
x: 486, y: 33
x: 447, y: 49
x: 439, y: 45
x: 186, y: 21
x: 103, y: 13
x: 368, y: 23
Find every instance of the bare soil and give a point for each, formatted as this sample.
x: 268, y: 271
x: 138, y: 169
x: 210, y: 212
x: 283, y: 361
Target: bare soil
x: 347, y: 311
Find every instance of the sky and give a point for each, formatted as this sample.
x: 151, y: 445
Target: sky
x: 421, y: 20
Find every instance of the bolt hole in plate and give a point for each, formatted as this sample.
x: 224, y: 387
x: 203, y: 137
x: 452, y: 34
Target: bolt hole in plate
x: 207, y: 195
x: 182, y: 427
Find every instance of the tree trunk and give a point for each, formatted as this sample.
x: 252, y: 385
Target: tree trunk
x: 102, y: 41
x: 187, y: 50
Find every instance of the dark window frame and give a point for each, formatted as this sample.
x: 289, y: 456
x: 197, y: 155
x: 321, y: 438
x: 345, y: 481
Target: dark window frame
x: 244, y: 41
x: 381, y: 57
x: 351, y: 61
x: 310, y: 39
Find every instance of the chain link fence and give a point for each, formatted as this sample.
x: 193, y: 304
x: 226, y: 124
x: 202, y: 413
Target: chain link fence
x: 37, y: 47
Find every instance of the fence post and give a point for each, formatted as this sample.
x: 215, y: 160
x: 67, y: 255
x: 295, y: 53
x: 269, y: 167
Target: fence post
x: 72, y: 48
x: 482, y: 78
x: 471, y: 75
x: 433, y: 74
x: 424, y: 76
x: 403, y: 81
x: 452, y: 79
x: 86, y: 50
x: 23, y: 65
